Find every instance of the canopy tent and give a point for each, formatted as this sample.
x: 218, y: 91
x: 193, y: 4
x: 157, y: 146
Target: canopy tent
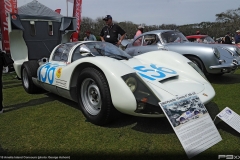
x: 36, y: 8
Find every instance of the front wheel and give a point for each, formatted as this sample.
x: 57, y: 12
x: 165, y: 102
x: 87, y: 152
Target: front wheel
x: 94, y: 97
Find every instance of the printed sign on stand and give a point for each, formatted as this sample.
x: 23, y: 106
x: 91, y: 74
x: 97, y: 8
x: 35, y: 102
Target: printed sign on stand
x: 231, y: 118
x: 191, y: 123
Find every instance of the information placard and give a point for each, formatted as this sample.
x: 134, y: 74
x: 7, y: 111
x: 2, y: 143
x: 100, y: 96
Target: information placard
x: 191, y: 123
x: 231, y: 118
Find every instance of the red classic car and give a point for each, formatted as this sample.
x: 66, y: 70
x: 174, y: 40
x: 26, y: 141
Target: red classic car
x: 203, y: 39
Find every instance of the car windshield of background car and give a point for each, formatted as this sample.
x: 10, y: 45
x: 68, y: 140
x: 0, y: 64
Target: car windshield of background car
x: 209, y: 40
x: 173, y: 37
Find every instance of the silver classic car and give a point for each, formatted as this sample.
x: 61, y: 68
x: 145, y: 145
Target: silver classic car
x: 210, y: 58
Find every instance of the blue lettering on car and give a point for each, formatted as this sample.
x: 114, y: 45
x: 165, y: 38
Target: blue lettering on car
x: 160, y: 72
x: 49, y: 74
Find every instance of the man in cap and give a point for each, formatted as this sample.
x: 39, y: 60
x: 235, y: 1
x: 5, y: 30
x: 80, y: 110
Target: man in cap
x: 89, y: 36
x: 111, y: 31
x: 237, y: 37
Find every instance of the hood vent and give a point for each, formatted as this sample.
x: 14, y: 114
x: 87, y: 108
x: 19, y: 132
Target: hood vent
x: 169, y: 79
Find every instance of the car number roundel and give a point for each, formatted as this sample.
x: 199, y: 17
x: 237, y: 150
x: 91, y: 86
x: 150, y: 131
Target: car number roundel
x: 154, y: 72
x: 47, y: 73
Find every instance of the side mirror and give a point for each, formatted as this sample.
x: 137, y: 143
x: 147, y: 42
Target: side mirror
x: 84, y: 49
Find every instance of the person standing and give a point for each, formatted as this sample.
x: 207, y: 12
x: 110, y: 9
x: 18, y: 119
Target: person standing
x: 228, y: 39
x: 139, y: 31
x: 110, y: 32
x: 89, y: 36
x: 237, y: 37
x: 1, y: 85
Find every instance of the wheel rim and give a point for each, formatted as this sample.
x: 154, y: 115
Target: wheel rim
x: 25, y: 78
x: 91, y: 97
x: 5, y: 69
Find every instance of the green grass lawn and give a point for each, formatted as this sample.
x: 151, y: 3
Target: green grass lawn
x: 46, y: 124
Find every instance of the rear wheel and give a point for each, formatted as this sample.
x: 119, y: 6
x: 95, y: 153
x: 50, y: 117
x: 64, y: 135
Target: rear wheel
x: 94, y: 97
x: 29, y: 70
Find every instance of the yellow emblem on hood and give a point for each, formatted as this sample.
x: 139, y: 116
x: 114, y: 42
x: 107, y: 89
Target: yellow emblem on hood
x: 205, y: 94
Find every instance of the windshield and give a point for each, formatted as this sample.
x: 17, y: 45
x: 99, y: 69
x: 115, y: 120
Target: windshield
x: 208, y: 40
x: 106, y: 49
x: 173, y: 37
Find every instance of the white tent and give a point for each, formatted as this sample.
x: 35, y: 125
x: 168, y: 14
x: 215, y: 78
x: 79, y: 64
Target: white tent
x: 36, y: 8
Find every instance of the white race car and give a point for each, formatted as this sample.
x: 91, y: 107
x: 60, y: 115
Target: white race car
x: 99, y: 76
x: 102, y: 78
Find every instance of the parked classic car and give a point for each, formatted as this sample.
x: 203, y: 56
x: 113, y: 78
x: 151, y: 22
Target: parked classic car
x: 100, y: 77
x: 203, y: 39
x: 211, y: 59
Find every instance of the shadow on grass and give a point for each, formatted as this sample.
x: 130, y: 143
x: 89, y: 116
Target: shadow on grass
x: 2, y: 151
x: 12, y: 82
x: 147, y: 125
x: 12, y: 86
x: 32, y: 102
x: 224, y: 79
x: 225, y: 127
x: 213, y: 110
x: 62, y: 100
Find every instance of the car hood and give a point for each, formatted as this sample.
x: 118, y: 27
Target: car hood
x: 163, y: 77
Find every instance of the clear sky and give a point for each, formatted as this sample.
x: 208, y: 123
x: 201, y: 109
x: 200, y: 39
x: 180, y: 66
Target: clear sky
x: 150, y: 12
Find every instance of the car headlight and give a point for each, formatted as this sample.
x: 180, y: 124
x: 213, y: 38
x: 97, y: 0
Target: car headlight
x: 197, y: 69
x: 216, y: 53
x: 131, y: 83
x: 147, y: 101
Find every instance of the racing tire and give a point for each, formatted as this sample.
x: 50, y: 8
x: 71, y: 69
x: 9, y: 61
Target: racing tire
x: 94, y: 98
x: 29, y: 70
x: 199, y: 63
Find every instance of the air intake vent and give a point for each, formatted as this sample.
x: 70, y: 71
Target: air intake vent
x: 169, y: 79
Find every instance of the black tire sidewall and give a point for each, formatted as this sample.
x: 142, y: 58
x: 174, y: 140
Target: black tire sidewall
x: 103, y: 116
x: 31, y: 69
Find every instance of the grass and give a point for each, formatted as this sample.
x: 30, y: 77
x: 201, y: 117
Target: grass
x: 46, y: 124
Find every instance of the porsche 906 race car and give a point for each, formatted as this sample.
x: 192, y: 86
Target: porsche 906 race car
x: 102, y: 78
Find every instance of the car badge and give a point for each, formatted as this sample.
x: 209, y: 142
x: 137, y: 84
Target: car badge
x: 205, y: 94
x: 59, y: 72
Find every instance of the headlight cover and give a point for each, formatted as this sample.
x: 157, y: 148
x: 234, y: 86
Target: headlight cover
x: 131, y: 83
x: 216, y: 53
x: 197, y: 69
x: 147, y: 101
